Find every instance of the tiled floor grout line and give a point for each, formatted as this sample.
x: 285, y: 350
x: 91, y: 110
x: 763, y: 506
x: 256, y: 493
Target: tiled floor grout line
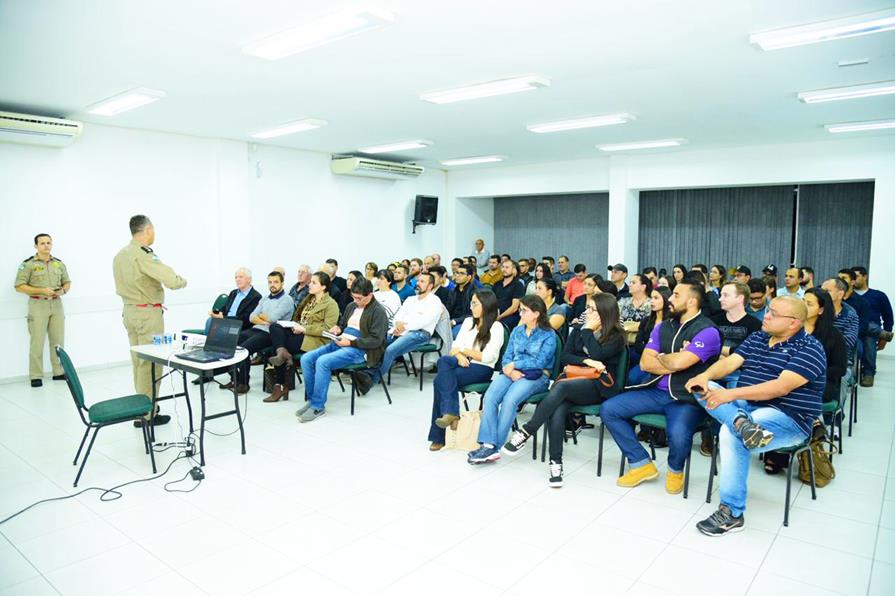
x: 880, y: 518
x: 35, y: 567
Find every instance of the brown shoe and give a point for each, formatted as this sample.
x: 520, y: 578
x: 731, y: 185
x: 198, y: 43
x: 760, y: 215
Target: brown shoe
x: 279, y: 392
x: 867, y: 381
x: 240, y: 389
x: 448, y: 420
x: 436, y: 446
x: 282, y: 357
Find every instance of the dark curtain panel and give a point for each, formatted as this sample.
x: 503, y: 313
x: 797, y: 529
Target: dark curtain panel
x: 749, y: 226
x: 573, y: 225
x: 835, y: 221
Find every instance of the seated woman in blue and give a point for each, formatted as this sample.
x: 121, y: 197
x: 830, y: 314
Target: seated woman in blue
x: 526, y: 364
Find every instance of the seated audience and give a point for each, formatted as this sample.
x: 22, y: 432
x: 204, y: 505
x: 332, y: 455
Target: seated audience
x: 509, y: 290
x: 678, y: 272
x: 618, y: 273
x: 575, y: 286
x: 807, y: 277
x: 370, y: 271
x: 717, y: 278
x: 651, y: 274
x: 636, y: 306
x: 299, y: 289
x: 344, y: 298
x: 276, y: 306
x: 461, y: 297
x: 577, y: 308
x: 557, y: 314
x: 493, y: 273
x: 596, y: 345
x: 542, y: 271
x: 879, y: 326
x: 315, y: 314
x: 240, y: 302
x: 660, y: 310
x: 733, y: 322
x: 742, y: 274
x: 443, y: 293
x: 667, y: 281
x: 845, y: 318
x: 385, y: 295
x: 456, y: 263
x: 481, y: 256
x: 339, y: 283
x: 758, y: 299
x: 527, y: 363
x: 361, y: 330
x: 770, y: 282
x: 792, y: 283
x: 679, y: 348
x: 525, y: 274
x: 782, y: 378
x: 401, y: 287
x: 857, y: 302
x: 563, y: 276
x: 473, y: 357
x: 416, y: 267
x: 711, y: 306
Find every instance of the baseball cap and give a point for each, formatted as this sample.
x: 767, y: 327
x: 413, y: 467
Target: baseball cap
x: 770, y: 270
x: 743, y: 269
x: 617, y: 267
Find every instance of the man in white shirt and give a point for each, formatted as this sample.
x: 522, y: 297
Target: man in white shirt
x: 791, y: 281
x: 414, y: 323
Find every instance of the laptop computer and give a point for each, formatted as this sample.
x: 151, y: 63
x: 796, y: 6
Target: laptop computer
x: 220, y: 343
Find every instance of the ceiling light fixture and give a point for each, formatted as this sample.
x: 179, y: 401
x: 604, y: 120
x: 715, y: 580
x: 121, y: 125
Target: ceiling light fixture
x: 853, y: 26
x: 465, y: 161
x: 589, y: 122
x: 853, y: 92
x: 642, y: 145
x: 394, y: 147
x: 289, y: 128
x: 860, y: 126
x: 318, y: 32
x: 126, y: 101
x: 489, y: 89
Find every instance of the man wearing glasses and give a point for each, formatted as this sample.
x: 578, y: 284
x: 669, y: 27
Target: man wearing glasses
x: 361, y: 333
x: 783, y: 371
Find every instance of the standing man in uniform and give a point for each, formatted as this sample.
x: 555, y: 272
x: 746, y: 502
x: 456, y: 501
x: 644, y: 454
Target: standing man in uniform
x: 139, y: 276
x: 44, y: 279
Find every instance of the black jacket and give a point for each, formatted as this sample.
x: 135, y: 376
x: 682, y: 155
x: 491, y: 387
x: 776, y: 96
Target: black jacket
x: 373, y: 329
x: 459, y: 309
x: 245, y: 307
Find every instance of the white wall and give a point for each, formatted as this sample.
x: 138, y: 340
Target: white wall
x: 212, y: 214
x: 869, y: 158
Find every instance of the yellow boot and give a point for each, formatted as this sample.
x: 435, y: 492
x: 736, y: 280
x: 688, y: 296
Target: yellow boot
x: 638, y: 475
x: 674, y: 482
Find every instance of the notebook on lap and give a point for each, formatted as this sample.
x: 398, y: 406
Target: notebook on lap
x: 220, y: 343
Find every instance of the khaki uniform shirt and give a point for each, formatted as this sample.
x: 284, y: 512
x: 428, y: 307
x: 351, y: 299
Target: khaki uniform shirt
x: 140, y: 274
x: 36, y: 273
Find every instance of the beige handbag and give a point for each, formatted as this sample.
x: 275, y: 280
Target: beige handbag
x: 464, y: 434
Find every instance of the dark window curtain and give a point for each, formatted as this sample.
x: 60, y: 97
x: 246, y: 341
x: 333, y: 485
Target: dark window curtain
x: 573, y: 225
x: 835, y: 222
x: 749, y: 226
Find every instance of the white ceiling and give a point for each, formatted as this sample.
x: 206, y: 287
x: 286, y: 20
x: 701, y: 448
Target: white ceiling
x: 684, y: 68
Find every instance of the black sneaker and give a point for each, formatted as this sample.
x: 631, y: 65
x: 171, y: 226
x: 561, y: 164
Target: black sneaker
x: 37, y: 383
x: 159, y: 420
x: 753, y: 435
x: 517, y: 441
x: 58, y: 377
x: 721, y: 522
x: 555, y: 479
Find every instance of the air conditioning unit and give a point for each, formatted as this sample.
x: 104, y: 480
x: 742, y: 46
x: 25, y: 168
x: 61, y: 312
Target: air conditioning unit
x: 38, y: 130
x: 374, y: 168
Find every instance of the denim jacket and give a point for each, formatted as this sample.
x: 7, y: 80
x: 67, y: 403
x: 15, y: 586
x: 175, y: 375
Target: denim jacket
x: 531, y: 352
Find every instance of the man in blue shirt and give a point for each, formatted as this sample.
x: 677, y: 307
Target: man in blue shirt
x: 783, y: 371
x: 879, y: 324
x: 758, y: 299
x: 404, y: 289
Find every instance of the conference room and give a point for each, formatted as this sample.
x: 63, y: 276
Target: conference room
x: 394, y: 218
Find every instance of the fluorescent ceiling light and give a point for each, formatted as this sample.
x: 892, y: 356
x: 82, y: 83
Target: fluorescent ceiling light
x: 465, y: 161
x: 126, y: 101
x: 853, y: 92
x: 859, y: 126
x: 853, y: 26
x: 318, y: 32
x: 289, y: 128
x: 641, y: 145
x: 589, y: 122
x: 489, y: 89
x: 394, y: 147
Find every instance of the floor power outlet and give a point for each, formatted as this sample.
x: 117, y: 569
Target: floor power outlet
x: 197, y: 474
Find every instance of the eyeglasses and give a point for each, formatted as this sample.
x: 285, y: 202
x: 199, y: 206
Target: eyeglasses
x: 775, y: 315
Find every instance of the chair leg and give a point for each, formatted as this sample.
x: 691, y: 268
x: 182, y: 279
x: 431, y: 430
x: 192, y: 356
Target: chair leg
x: 385, y: 388
x: 463, y: 399
x: 813, y: 479
x: 422, y: 368
x: 151, y: 452
x: 353, y: 390
x: 788, y: 485
x: 544, y: 446
x: 841, y: 416
x: 81, y: 446
x: 412, y: 364
x: 534, y: 446
x: 339, y: 379
x: 621, y: 467
x: 86, y: 455
x: 687, y: 476
x: 600, y: 451
x: 713, y: 468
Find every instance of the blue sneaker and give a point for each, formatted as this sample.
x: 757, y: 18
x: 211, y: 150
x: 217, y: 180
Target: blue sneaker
x: 483, y: 455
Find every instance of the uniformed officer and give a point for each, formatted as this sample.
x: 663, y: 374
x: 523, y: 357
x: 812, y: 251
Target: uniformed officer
x: 44, y: 279
x: 139, y: 276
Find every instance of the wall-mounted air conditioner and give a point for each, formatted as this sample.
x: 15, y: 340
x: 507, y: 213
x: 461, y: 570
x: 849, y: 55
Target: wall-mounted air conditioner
x: 374, y: 168
x: 38, y: 130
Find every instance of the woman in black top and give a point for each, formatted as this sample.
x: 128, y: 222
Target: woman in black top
x: 661, y: 310
x: 598, y: 344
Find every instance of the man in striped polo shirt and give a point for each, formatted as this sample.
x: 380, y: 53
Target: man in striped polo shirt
x: 783, y: 371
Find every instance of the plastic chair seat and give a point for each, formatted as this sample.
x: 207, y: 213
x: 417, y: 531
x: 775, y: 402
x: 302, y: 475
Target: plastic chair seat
x: 830, y: 407
x: 120, y: 409
x: 426, y: 348
x: 654, y: 420
x: 195, y: 331
x: 537, y: 397
x: 586, y: 410
x: 475, y: 388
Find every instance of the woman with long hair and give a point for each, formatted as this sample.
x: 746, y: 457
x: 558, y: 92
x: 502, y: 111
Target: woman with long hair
x: 599, y: 345
x: 542, y: 271
x: 370, y: 271
x: 526, y: 363
x: 660, y: 310
x: 547, y: 290
x: 678, y: 272
x: 472, y: 359
x: 717, y: 278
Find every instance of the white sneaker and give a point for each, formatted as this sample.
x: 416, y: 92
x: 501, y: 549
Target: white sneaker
x: 555, y: 479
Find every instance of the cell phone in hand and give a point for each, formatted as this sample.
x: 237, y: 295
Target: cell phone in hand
x: 697, y: 389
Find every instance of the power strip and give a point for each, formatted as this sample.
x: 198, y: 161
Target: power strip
x: 197, y: 474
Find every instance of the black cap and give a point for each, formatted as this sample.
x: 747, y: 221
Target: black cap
x: 744, y: 270
x: 617, y: 267
x: 770, y: 270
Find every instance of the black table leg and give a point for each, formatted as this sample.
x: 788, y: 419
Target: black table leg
x: 242, y: 436
x: 202, y: 424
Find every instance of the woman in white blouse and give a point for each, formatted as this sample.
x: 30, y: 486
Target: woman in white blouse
x: 472, y: 359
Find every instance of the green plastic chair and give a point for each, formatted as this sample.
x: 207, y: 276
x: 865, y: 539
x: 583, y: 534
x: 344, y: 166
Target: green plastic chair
x: 660, y: 421
x: 104, y: 413
x: 362, y: 368
x: 218, y: 305
x: 427, y: 348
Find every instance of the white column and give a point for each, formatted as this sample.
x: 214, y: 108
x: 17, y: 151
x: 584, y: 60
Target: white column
x: 624, y: 213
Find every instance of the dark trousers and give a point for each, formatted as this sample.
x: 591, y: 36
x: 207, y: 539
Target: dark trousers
x: 253, y: 340
x: 280, y: 337
x: 446, y: 389
x: 555, y: 408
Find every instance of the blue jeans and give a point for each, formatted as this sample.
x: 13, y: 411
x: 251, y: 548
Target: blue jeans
x: 683, y: 418
x: 734, y: 473
x: 868, y: 357
x: 637, y: 376
x: 501, y: 402
x: 446, y: 389
x: 317, y: 367
x: 400, y: 345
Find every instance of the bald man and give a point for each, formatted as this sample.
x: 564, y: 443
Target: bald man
x: 783, y: 371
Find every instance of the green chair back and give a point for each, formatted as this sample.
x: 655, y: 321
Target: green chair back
x: 557, y: 357
x: 71, y: 376
x: 219, y: 302
x: 621, y: 373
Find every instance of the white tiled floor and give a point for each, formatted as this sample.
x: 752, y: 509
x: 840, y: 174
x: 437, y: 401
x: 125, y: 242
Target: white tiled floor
x: 358, y: 505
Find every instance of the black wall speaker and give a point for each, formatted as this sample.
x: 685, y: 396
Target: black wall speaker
x: 426, y: 210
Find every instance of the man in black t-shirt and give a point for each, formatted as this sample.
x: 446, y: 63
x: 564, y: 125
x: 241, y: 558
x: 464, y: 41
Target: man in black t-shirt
x: 733, y: 321
x: 509, y: 292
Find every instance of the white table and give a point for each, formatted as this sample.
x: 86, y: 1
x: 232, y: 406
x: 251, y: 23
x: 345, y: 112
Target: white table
x: 164, y: 355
